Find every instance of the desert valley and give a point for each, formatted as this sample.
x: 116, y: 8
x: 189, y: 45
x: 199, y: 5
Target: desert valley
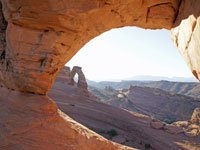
x: 139, y: 117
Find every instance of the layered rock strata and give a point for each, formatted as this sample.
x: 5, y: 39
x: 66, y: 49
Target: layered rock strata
x: 43, y: 35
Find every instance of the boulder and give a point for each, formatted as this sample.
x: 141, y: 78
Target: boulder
x: 156, y: 124
x: 192, y: 133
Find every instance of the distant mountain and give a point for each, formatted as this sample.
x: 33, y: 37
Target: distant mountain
x: 184, y: 88
x: 159, y: 78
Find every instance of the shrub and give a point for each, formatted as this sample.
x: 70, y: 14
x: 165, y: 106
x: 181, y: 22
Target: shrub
x: 169, y: 121
x: 147, y: 146
x: 112, y: 133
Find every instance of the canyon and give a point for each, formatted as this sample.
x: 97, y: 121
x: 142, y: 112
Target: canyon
x: 190, y: 89
x: 127, y: 127
x: 39, y: 37
x: 159, y: 104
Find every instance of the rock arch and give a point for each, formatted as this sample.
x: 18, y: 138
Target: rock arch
x: 43, y: 35
x: 81, y: 77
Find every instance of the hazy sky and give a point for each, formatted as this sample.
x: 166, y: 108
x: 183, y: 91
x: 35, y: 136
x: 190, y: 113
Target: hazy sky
x: 130, y: 51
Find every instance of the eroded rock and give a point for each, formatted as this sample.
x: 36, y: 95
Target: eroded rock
x: 81, y: 77
x: 195, y: 119
x: 186, y: 34
x: 67, y: 75
x: 43, y: 35
x: 191, y: 127
x: 33, y: 122
x: 156, y: 124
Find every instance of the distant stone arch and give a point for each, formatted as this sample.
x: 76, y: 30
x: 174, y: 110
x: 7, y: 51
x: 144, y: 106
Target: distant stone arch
x: 81, y: 77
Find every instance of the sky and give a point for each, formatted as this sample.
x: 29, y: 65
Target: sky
x: 123, y: 53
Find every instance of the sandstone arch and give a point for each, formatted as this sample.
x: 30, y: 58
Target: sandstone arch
x: 43, y: 35
x: 82, y: 83
x: 81, y: 77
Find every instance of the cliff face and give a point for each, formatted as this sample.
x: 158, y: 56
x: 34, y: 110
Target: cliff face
x: 186, y: 34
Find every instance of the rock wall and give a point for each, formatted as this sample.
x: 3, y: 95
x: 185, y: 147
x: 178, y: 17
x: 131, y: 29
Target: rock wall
x: 195, y: 119
x: 186, y: 34
x: 3, y: 26
x: 43, y: 35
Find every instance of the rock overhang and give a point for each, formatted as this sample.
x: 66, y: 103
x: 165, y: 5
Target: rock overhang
x: 43, y: 35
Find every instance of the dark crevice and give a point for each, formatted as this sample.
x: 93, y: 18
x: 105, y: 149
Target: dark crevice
x: 3, y: 55
x: 43, y: 62
x: 195, y: 74
x: 3, y: 26
x: 160, y: 4
x: 178, y: 11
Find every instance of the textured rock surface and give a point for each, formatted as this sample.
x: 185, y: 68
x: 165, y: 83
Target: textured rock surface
x: 191, y: 127
x: 195, y: 119
x: 173, y: 129
x: 43, y: 35
x: 156, y: 124
x: 186, y: 34
x: 33, y: 122
x: 161, y: 105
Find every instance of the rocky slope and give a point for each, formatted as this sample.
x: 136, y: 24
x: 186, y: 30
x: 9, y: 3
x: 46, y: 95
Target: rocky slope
x: 191, y: 89
x: 128, y: 128
x: 32, y: 122
x: 192, y: 126
x: 150, y: 101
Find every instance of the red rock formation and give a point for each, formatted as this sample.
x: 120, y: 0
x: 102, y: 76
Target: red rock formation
x: 67, y: 76
x: 81, y: 79
x: 191, y: 127
x: 186, y: 34
x: 195, y: 119
x: 33, y: 122
x: 43, y: 35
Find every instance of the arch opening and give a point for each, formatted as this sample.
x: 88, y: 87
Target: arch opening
x: 76, y: 78
x: 122, y: 97
x: 128, y: 52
